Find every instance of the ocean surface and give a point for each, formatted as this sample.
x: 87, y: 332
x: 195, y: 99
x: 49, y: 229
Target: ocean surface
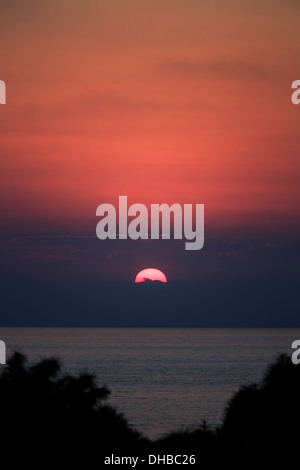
x: 161, y: 379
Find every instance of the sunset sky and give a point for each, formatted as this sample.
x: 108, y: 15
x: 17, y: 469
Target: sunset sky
x: 162, y: 101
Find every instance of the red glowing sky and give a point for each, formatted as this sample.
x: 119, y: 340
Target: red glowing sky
x: 164, y: 102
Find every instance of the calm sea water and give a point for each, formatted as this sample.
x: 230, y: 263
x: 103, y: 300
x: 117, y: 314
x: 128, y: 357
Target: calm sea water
x: 161, y: 379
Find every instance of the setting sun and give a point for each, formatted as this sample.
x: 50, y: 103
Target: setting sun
x: 150, y: 274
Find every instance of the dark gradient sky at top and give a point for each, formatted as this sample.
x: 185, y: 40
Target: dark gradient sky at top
x: 173, y: 101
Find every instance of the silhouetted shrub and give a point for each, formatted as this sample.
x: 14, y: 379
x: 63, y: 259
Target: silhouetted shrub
x: 261, y: 421
x: 48, y: 416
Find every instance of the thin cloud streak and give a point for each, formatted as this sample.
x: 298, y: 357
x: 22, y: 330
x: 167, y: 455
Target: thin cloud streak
x: 238, y: 69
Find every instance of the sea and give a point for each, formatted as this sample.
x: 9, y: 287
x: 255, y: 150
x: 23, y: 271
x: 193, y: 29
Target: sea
x: 161, y: 379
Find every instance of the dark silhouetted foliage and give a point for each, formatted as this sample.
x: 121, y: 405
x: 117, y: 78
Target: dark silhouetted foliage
x: 49, y: 418
x: 260, y: 427
x: 262, y: 421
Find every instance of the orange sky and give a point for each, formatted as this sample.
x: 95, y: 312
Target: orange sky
x: 163, y: 101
